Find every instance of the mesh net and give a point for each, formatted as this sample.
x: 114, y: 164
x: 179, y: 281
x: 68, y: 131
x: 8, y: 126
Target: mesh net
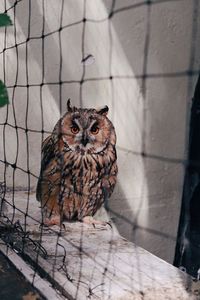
x: 57, y: 50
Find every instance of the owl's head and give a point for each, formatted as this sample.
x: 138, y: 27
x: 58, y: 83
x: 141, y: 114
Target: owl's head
x: 86, y: 130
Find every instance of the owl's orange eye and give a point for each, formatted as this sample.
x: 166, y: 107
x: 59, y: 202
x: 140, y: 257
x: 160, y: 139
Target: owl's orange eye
x: 95, y: 129
x: 74, y: 129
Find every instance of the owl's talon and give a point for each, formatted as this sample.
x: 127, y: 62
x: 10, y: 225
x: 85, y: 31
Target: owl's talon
x: 64, y: 227
x: 108, y: 223
x: 55, y: 220
x: 91, y: 221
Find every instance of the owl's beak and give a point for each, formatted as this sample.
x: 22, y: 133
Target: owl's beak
x: 84, y: 140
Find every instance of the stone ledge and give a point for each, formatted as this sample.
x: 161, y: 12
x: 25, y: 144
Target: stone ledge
x: 83, y: 262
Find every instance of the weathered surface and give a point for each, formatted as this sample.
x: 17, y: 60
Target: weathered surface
x: 96, y: 263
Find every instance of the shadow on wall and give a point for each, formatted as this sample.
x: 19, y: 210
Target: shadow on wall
x: 165, y: 126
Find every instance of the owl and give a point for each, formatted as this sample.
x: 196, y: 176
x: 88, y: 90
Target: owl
x: 78, y: 166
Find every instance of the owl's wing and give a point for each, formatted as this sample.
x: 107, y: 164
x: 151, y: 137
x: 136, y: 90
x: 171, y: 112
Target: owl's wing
x: 48, y: 154
x: 110, y: 180
x: 48, y: 157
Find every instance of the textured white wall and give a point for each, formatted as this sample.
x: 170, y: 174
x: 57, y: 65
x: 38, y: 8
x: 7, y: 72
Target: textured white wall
x: 154, y: 120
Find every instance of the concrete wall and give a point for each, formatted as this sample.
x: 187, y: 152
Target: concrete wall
x: 150, y: 113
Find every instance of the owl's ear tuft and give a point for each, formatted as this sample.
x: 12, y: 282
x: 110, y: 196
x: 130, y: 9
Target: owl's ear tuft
x: 69, y: 108
x: 103, y: 111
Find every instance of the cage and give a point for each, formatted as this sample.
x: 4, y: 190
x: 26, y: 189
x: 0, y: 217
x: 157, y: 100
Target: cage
x: 140, y: 58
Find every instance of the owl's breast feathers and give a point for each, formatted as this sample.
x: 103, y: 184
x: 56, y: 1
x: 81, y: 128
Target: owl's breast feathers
x: 78, y: 182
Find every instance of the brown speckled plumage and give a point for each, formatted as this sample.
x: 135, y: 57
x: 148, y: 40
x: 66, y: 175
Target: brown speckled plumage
x: 78, y: 168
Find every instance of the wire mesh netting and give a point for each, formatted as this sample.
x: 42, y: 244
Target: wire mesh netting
x: 141, y: 59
